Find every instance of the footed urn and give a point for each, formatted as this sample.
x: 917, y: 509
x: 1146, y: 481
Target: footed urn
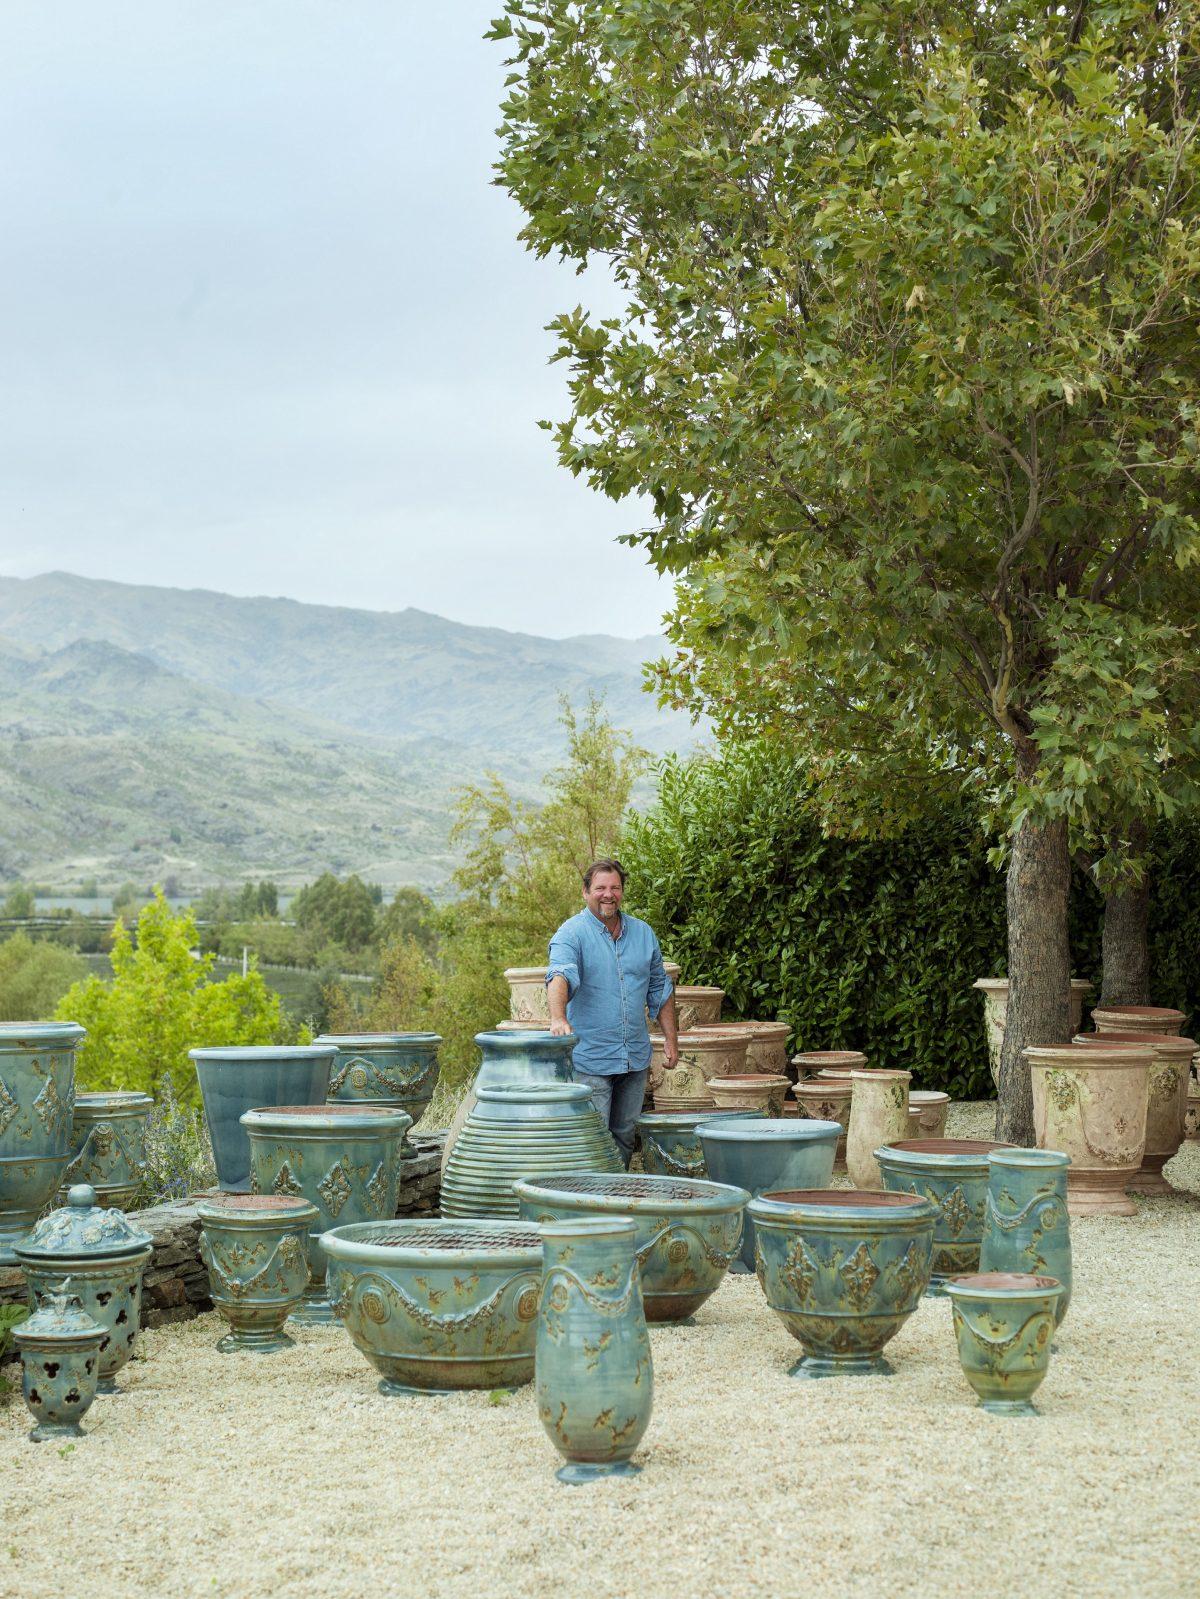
x: 255, y: 1250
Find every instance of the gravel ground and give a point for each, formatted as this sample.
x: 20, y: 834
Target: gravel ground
x: 289, y: 1475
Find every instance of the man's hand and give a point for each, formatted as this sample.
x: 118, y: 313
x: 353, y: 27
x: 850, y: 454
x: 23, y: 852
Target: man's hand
x: 559, y: 1026
x: 670, y: 1031
x: 670, y: 1051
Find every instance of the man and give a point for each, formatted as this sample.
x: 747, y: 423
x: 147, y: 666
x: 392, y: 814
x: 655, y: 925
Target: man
x: 606, y: 971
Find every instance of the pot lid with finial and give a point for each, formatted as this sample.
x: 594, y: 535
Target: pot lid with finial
x: 83, y: 1230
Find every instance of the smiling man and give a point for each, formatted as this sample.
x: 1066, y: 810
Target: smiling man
x: 606, y: 971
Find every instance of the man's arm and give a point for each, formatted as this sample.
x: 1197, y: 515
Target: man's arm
x: 670, y: 1030
x: 562, y: 979
x: 557, y: 994
x: 660, y: 1002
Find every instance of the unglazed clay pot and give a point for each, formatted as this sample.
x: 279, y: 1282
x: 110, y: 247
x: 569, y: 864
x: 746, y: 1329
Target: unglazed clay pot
x: 843, y: 1270
x: 995, y: 1009
x: 703, y: 1054
x: 1166, y: 1102
x: 109, y: 1140
x: 1091, y: 1103
x: 928, y: 1109
x: 399, y: 1069
x: 829, y: 1062
x: 255, y: 1250
x: 756, y: 1153
x: 234, y: 1080
x: 768, y: 1052
x: 1191, y: 1120
x: 516, y: 1057
x: 1003, y: 1324
x: 827, y: 1100
x: 878, y: 1115
x: 697, y: 1006
x: 37, y: 1101
x: 1026, y: 1228
x: 752, y: 1091
x: 528, y: 1001
x: 952, y: 1173
x: 670, y: 1144
x: 1137, y: 1019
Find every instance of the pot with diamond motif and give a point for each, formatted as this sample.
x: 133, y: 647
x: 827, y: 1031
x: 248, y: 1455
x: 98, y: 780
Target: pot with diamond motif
x: 37, y: 1100
x: 234, y: 1080
x: 109, y: 1140
x: 952, y: 1173
x: 1090, y: 1102
x: 255, y: 1250
x: 397, y: 1069
x: 1166, y: 1102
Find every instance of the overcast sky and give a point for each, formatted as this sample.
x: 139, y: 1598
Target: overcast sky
x: 269, y: 329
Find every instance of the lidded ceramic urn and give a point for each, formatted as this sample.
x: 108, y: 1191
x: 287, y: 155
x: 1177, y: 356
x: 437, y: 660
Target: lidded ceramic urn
x: 37, y: 1101
x: 1090, y: 1102
x: 1003, y: 1324
x: 60, y: 1361
x: 1166, y: 1101
x: 109, y: 1140
x: 105, y: 1255
x: 878, y: 1115
x: 399, y: 1069
x: 1161, y: 1019
x: 255, y: 1250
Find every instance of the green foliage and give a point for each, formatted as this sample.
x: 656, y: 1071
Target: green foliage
x: 250, y: 902
x: 34, y: 976
x: 340, y: 912
x: 10, y: 1316
x: 18, y: 902
x: 179, y: 1158
x: 409, y: 914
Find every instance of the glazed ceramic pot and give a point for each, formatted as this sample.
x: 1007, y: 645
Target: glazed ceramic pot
x: 1166, y: 1102
x: 843, y: 1269
x: 995, y: 1010
x: 594, y: 1376
x: 523, y: 1132
x: 234, y: 1080
x: 105, y: 1256
x: 755, y: 1091
x: 513, y: 1058
x: 399, y: 1069
x: 670, y: 1143
x: 703, y: 1054
x: 878, y: 1115
x: 37, y: 1100
x: 528, y: 1001
x: 109, y: 1141
x: 757, y: 1153
x: 952, y: 1173
x: 1158, y: 1019
x: 255, y: 1250
x: 1003, y: 1324
x: 827, y: 1100
x: 829, y: 1062
x: 344, y: 1159
x: 928, y: 1110
x: 1026, y: 1228
x: 1091, y: 1103
x: 60, y: 1359
x: 437, y: 1306
x: 687, y: 1230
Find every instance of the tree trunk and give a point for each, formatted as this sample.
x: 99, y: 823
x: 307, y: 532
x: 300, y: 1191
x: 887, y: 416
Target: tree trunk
x: 1126, y: 946
x: 1039, y: 967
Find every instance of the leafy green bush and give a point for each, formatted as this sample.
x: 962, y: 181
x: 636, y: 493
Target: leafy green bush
x: 34, y: 976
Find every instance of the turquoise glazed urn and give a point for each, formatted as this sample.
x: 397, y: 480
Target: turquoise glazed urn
x: 60, y: 1361
x: 953, y: 1174
x: 1026, y: 1228
x: 761, y: 1152
x: 385, y: 1069
x: 37, y: 1103
x: 343, y: 1159
x: 109, y: 1142
x: 235, y: 1080
x: 1003, y: 1323
x: 843, y: 1269
x: 670, y: 1141
x: 255, y: 1250
x: 687, y: 1236
x: 594, y: 1376
x: 435, y: 1305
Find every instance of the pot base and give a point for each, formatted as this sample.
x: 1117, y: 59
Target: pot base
x: 404, y: 1390
x: 108, y: 1386
x: 578, y: 1471
x: 1153, y: 1185
x: 250, y: 1343
x: 47, y: 1431
x: 817, y: 1366
x: 316, y: 1311
x: 1009, y: 1407
x: 1099, y: 1202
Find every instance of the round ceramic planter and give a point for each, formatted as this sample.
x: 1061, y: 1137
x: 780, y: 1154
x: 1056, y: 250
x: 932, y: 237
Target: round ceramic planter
x: 687, y: 1230
x: 829, y: 1062
x: 1166, y: 1103
x: 753, y: 1091
x: 843, y: 1269
x: 344, y: 1159
x: 235, y: 1080
x: 60, y: 1358
x: 594, y: 1374
x: 109, y: 1141
x: 827, y: 1100
x: 878, y: 1115
x: 1155, y: 1019
x: 1191, y: 1120
x: 995, y: 1011
x: 928, y: 1110
x: 397, y: 1069
x: 1003, y: 1324
x: 255, y: 1250
x: 37, y: 1100
x: 1026, y: 1228
x: 703, y: 1054
x: 757, y: 1153
x: 1091, y: 1104
x: 517, y: 1057
x: 697, y: 1006
x: 437, y: 1306
x: 952, y: 1173
x: 527, y: 997
x: 670, y: 1143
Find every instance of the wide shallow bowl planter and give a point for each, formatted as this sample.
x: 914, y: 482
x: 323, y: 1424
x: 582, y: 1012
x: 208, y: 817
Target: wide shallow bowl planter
x: 398, y: 1069
x: 1003, y: 1324
x: 703, y: 1054
x: 827, y: 1063
x: 1166, y: 1102
x: 878, y: 1115
x: 1091, y: 1104
x: 60, y: 1359
x: 109, y: 1141
x: 995, y: 1012
x: 1026, y: 1228
x: 952, y: 1173
x: 757, y: 1153
x: 827, y: 1100
x: 516, y: 1057
x: 439, y: 1305
x: 1154, y: 1019
x: 755, y: 1091
x: 928, y: 1110
x: 235, y: 1080
x: 255, y: 1250
x: 344, y: 1159
x: 670, y: 1143
x: 687, y: 1231
x: 843, y: 1270
x: 527, y: 997
x: 37, y: 1099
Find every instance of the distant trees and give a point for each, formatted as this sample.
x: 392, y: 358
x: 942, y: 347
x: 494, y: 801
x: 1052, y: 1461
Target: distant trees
x: 340, y: 911
x: 34, y: 975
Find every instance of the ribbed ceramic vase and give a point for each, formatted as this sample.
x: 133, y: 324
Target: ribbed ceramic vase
x: 109, y: 1141
x: 827, y: 1100
x: 670, y: 1143
x: 952, y: 1173
x: 1026, y: 1228
x: 757, y: 1153
x: 995, y: 1013
x: 234, y: 1080
x: 523, y: 1132
x: 1166, y: 1102
x: 37, y: 1102
x: 1091, y: 1103
x: 593, y: 1373
x: 878, y: 1115
x: 1003, y: 1325
x: 344, y: 1159
x: 1159, y: 1019
x: 255, y: 1250
x: 514, y: 1058
x: 399, y: 1069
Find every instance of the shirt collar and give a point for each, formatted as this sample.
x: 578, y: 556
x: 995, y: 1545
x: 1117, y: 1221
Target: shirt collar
x: 599, y: 921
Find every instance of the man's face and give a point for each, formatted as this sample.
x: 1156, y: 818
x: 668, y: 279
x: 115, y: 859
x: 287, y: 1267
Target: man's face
x: 603, y: 898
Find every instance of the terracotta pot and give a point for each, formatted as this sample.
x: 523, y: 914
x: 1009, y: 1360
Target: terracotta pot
x: 1143, y: 1019
x: 697, y: 1007
x: 703, y: 1053
x: 1166, y: 1101
x: 1191, y: 1121
x: 527, y: 999
x: 827, y: 1101
x: 1090, y: 1102
x: 995, y: 1008
x: 878, y: 1115
x: 829, y: 1062
x: 928, y: 1109
x: 750, y: 1091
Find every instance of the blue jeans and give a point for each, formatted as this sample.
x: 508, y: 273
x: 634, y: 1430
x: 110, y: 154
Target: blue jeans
x: 619, y: 1100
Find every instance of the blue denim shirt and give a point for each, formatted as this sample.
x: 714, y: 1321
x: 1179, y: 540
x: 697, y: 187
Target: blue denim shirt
x: 611, y: 984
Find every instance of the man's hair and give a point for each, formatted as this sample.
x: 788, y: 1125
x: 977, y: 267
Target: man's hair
x: 606, y: 863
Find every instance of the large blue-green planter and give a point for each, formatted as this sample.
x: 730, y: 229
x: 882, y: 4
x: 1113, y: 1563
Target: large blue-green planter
x: 37, y: 1103
x: 595, y: 1379
x: 60, y: 1359
x: 670, y: 1142
x: 523, y: 1132
x: 521, y: 1058
x: 235, y: 1080
x: 109, y: 1141
x: 385, y: 1069
x: 953, y: 1174
x: 437, y: 1306
x: 255, y: 1250
x: 1003, y: 1323
x: 761, y: 1152
x: 344, y: 1159
x: 1026, y: 1228
x: 687, y: 1230
x: 843, y: 1269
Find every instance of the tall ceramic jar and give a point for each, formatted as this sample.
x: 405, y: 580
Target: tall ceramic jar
x: 234, y: 1080
x: 1026, y: 1228
x: 1159, y: 1019
x: 593, y: 1373
x: 37, y: 1101
x: 109, y: 1140
x: 397, y: 1069
x: 1166, y: 1102
x: 255, y: 1250
x: 995, y: 1010
x: 878, y: 1115
x: 514, y: 1058
x: 1091, y: 1103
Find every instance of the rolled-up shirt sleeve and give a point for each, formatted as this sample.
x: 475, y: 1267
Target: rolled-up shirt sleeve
x: 660, y: 987
x: 564, y: 960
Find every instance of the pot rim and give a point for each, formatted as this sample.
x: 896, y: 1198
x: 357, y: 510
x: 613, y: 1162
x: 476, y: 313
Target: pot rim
x: 344, y: 1116
x: 668, y: 1121
x: 958, y: 1154
x: 828, y: 1057
x: 380, y: 1040
x: 39, y: 1035
x: 1006, y: 1284
x: 536, y: 1093
x: 1079, y: 985
x: 1087, y: 1056
x: 928, y: 1096
x: 1157, y: 1011
x: 738, y: 1078
x: 765, y: 1129
x: 538, y: 1041
x: 253, y: 1052
x: 1163, y: 1043
x: 352, y: 1245
x: 841, y: 1204
x: 116, y: 1098
x: 249, y: 1209
x: 875, y: 1074
x: 589, y: 1227
x: 715, y: 1198
x: 1015, y: 1155
x: 74, y: 1265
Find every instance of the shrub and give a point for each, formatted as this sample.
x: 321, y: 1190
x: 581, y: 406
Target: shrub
x: 34, y: 976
